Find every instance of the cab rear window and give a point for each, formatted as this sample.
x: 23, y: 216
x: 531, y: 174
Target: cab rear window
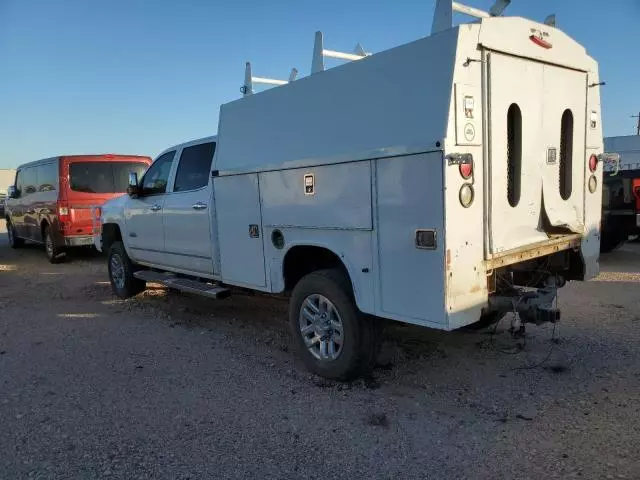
x: 103, y: 177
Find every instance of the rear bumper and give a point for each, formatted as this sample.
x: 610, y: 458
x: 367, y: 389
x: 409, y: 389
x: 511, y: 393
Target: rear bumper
x: 529, y: 252
x: 78, y: 241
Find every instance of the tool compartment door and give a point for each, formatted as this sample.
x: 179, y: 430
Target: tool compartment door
x: 529, y: 149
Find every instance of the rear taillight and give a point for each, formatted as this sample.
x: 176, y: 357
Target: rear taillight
x: 63, y: 214
x: 466, y: 170
x: 593, y: 162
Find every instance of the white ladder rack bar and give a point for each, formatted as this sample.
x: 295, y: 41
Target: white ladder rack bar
x: 249, y: 80
x: 319, y: 52
x: 443, y: 16
x: 472, y: 12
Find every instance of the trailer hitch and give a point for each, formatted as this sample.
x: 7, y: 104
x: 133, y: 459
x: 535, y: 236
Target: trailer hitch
x: 530, y: 305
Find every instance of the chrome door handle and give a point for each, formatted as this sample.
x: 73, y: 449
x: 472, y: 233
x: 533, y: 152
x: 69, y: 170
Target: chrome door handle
x: 155, y: 208
x: 199, y: 206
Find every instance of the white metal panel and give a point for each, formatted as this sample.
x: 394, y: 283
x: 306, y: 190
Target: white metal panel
x: 518, y: 81
x: 395, y: 100
x: 564, y: 89
x: 410, y: 197
x: 237, y: 209
x: 341, y: 197
x: 513, y: 35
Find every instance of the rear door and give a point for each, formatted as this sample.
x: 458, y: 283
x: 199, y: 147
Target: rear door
x: 536, y: 149
x: 187, y: 211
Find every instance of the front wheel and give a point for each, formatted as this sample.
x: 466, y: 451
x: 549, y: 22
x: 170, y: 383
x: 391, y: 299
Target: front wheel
x: 121, y: 269
x: 334, y: 339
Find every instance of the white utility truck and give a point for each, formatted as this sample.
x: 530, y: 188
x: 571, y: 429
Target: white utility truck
x: 452, y: 179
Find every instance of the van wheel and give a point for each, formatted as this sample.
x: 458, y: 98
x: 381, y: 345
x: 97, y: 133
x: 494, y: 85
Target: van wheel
x: 14, y: 241
x: 54, y: 253
x: 334, y: 339
x: 121, y: 269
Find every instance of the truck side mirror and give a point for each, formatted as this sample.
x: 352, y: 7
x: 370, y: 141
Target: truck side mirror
x: 12, y: 192
x: 133, y: 189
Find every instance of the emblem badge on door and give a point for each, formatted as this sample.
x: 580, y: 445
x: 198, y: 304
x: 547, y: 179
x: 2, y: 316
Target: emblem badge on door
x: 552, y: 155
x: 254, y: 231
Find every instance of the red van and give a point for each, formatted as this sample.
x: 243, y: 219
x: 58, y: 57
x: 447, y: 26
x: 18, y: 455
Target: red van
x: 52, y: 201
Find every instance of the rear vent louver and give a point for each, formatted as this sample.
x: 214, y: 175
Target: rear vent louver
x: 566, y: 154
x: 514, y: 154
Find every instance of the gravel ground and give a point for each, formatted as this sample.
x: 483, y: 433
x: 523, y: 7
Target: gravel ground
x: 173, y: 386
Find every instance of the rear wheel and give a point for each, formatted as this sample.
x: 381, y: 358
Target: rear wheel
x: 334, y: 339
x: 121, y: 270
x: 14, y: 241
x: 55, y: 254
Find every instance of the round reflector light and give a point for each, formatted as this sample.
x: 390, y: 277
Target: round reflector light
x: 593, y: 162
x: 593, y: 183
x: 466, y: 195
x: 466, y: 170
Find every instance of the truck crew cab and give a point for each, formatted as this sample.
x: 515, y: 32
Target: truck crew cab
x: 448, y: 180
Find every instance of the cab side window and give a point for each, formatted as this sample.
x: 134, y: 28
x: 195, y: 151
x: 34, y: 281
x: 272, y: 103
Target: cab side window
x: 156, y: 178
x: 194, y: 167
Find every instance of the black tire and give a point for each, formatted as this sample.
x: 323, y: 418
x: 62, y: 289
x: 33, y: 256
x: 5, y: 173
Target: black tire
x: 357, y: 351
x: 14, y: 242
x: 130, y: 285
x: 55, y: 254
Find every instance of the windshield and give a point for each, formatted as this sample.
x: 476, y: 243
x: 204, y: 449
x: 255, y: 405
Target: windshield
x: 103, y: 177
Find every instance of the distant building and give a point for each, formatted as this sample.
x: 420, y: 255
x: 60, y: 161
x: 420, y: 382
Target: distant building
x: 7, y: 177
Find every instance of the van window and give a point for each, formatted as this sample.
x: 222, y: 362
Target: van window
x: 194, y: 167
x: 156, y: 179
x: 514, y: 154
x: 48, y: 177
x: 30, y: 181
x: 566, y: 154
x: 19, y: 183
x: 102, y: 177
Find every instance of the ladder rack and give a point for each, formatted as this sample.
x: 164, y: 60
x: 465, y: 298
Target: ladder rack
x: 319, y: 52
x: 249, y: 80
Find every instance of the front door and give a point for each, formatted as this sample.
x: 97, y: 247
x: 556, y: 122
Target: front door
x: 536, y: 164
x: 187, y: 212
x: 143, y: 215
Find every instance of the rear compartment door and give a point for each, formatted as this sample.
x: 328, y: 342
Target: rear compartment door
x: 536, y: 142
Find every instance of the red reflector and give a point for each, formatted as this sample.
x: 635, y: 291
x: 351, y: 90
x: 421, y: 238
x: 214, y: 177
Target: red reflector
x: 466, y: 170
x: 593, y: 162
x: 540, y: 41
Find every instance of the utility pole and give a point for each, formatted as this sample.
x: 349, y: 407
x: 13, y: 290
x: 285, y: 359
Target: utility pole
x: 638, y: 117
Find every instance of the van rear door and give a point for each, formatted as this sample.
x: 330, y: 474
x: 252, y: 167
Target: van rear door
x: 536, y: 140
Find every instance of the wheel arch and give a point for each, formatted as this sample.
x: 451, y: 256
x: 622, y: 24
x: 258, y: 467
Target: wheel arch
x: 111, y: 233
x: 303, y: 258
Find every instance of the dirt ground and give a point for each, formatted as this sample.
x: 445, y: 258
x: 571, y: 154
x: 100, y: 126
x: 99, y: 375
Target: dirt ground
x: 169, y: 386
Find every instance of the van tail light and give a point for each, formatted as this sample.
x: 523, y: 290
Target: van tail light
x: 593, y: 162
x: 63, y: 214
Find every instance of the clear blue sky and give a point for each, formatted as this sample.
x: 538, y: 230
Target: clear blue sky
x: 135, y: 76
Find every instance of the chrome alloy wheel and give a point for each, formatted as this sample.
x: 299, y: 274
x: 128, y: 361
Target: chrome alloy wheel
x: 321, y: 327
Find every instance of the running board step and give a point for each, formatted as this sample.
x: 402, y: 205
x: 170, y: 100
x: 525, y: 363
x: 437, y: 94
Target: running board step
x: 183, y: 284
